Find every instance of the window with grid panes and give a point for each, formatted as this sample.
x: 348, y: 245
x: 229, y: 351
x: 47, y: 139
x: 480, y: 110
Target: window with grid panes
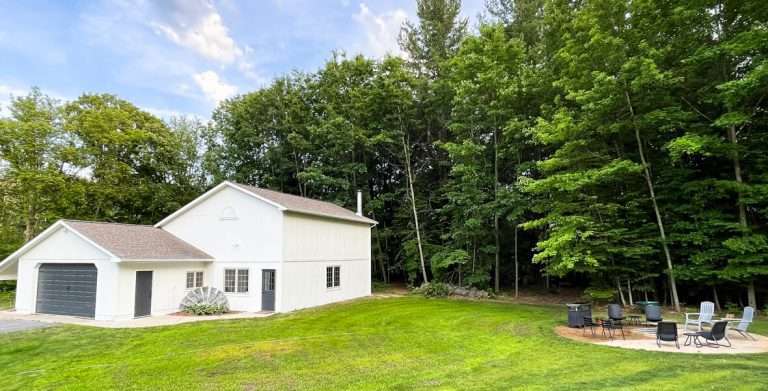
x: 229, y: 280
x: 332, y: 276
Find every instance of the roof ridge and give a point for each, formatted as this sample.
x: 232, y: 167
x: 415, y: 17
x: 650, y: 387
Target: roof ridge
x: 106, y: 222
x: 290, y: 195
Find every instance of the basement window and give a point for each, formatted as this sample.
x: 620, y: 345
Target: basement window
x: 194, y: 280
x: 333, y: 276
x: 236, y: 280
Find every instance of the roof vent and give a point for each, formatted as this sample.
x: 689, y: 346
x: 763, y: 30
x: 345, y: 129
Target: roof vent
x: 228, y: 214
x: 359, y: 203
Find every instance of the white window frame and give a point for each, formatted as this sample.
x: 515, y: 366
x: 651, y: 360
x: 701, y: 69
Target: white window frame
x: 335, y: 274
x: 238, y: 273
x: 195, y: 281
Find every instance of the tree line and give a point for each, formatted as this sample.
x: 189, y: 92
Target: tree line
x: 615, y: 144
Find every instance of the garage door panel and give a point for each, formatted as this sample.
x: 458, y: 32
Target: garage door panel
x: 67, y: 289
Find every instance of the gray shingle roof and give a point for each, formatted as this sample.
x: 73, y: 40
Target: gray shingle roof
x: 128, y: 241
x: 298, y: 204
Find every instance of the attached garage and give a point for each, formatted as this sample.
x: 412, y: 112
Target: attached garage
x: 66, y: 289
x: 103, y: 271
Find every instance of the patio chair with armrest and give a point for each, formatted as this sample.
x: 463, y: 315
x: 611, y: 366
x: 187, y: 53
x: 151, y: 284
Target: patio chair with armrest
x: 713, y: 337
x: 611, y: 326
x: 743, y: 325
x: 704, y: 316
x: 666, y: 331
x: 588, y: 322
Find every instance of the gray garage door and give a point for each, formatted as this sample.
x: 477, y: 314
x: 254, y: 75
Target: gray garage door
x: 67, y: 289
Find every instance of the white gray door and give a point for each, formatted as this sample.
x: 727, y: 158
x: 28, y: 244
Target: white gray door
x: 66, y: 289
x: 267, y: 290
x: 143, y: 297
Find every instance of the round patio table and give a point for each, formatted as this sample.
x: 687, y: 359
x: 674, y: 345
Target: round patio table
x: 634, y: 320
x: 692, y: 337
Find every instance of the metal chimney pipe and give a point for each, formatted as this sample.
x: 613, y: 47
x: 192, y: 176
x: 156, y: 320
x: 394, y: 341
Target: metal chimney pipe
x: 359, y: 203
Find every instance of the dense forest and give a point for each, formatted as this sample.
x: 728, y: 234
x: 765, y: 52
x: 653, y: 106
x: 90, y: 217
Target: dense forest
x: 618, y: 145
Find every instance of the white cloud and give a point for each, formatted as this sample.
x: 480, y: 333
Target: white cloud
x: 167, y: 114
x: 214, y: 88
x: 198, y: 26
x: 6, y: 92
x: 381, y: 31
x: 16, y: 90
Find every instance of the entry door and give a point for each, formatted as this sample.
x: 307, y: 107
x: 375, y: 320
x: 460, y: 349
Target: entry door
x: 267, y: 290
x: 143, y: 294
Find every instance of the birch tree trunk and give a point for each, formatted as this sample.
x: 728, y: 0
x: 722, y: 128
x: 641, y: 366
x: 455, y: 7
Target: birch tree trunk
x: 621, y: 292
x: 652, y: 194
x: 629, y: 291
x: 413, y: 207
x: 382, y: 264
x: 496, y: 206
x: 716, y: 298
x: 751, y: 296
x: 517, y: 276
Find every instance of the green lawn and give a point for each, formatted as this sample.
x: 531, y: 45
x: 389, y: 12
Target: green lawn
x: 395, y: 343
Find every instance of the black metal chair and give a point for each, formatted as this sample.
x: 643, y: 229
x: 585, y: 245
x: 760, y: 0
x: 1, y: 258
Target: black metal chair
x: 713, y: 337
x: 611, y: 326
x: 588, y: 323
x: 666, y: 331
x: 653, y: 314
x: 615, y: 312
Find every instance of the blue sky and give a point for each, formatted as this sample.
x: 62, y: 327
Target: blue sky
x: 181, y: 57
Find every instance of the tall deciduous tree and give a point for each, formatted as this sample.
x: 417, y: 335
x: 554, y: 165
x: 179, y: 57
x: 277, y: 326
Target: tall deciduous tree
x: 33, y: 148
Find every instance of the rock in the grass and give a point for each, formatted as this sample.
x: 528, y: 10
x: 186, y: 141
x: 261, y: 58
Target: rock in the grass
x: 460, y: 291
x: 468, y: 292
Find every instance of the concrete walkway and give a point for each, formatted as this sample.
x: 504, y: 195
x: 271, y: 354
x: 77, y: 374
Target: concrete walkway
x: 12, y: 325
x: 150, y: 321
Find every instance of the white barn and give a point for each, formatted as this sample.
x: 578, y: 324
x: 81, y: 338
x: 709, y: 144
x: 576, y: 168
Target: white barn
x: 268, y: 251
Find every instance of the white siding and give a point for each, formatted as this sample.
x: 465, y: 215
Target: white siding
x: 64, y: 246
x: 240, y: 232
x: 250, y: 301
x: 254, y: 235
x: 304, y: 283
x: 309, y: 238
x: 168, y: 285
x: 314, y: 243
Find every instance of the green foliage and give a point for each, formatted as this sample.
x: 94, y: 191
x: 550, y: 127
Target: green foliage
x: 561, y: 134
x: 98, y: 157
x: 446, y: 260
x: 599, y: 294
x: 7, y: 299
x: 205, y: 309
x: 7, y: 286
x: 433, y: 289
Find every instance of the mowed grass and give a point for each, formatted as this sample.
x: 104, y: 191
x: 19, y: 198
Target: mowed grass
x: 394, y: 343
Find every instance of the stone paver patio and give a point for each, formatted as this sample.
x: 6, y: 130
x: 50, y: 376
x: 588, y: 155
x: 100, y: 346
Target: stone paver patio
x: 644, y: 338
